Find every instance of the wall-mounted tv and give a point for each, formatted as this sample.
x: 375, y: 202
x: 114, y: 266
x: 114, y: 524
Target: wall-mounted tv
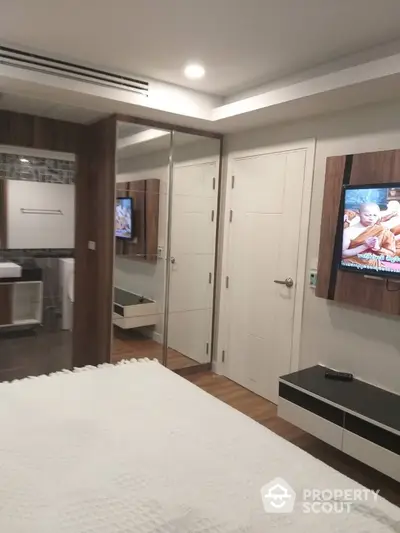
x: 124, y: 218
x: 370, y: 230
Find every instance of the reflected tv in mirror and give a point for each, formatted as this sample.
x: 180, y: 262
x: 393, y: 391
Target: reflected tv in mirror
x: 370, y: 230
x: 124, y: 218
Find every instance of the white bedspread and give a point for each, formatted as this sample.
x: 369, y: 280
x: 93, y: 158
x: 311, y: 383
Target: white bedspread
x: 135, y: 448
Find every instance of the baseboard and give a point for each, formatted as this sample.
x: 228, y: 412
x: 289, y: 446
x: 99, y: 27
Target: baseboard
x: 157, y: 337
x: 216, y: 367
x: 195, y: 369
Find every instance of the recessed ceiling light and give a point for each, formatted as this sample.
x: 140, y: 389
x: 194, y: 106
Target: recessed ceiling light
x: 24, y: 160
x: 194, y: 71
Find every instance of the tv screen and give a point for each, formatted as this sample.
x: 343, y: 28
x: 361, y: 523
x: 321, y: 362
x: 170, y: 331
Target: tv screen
x: 124, y: 218
x: 371, y: 229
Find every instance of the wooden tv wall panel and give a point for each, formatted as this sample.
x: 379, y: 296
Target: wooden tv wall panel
x: 338, y: 285
x: 146, y: 199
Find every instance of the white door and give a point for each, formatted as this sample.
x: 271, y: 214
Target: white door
x: 192, y: 251
x: 263, y: 247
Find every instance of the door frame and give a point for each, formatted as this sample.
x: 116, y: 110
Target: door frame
x: 221, y: 319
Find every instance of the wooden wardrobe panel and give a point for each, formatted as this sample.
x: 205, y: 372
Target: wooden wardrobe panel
x: 95, y: 214
x: 20, y: 129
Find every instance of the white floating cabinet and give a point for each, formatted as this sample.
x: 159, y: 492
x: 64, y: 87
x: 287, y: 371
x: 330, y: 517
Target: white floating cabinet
x: 40, y: 215
x: 26, y: 303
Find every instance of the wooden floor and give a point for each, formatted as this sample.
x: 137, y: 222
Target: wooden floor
x: 34, y: 352
x: 133, y: 345
x: 264, y: 412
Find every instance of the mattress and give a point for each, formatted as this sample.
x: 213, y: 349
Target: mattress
x: 135, y: 448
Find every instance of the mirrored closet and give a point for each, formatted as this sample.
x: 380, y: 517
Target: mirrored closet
x: 166, y: 220
x: 141, y: 195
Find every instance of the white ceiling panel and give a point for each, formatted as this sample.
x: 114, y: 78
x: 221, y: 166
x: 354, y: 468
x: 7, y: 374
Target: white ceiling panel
x: 241, y: 43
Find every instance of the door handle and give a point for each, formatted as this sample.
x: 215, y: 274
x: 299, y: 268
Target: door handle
x: 173, y: 260
x: 288, y: 282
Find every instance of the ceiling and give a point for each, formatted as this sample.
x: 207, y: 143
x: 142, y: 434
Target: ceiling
x: 241, y: 43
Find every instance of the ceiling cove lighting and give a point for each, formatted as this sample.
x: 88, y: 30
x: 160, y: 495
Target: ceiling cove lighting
x: 194, y: 71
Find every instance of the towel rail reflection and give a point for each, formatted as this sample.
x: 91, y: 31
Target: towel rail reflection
x: 27, y: 211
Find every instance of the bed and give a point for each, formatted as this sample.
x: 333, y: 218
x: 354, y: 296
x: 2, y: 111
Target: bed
x: 135, y: 448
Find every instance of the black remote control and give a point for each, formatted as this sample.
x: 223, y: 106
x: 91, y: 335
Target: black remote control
x: 339, y: 376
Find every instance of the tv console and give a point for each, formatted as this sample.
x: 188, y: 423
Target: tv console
x: 355, y: 417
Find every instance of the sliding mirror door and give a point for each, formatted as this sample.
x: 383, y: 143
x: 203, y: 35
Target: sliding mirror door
x: 193, y: 229
x: 140, y: 241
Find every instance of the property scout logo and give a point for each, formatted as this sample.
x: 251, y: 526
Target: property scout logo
x: 279, y: 497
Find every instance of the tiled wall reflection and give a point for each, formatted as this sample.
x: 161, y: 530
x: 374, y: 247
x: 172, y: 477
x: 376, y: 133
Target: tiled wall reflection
x: 45, y: 170
x: 31, y: 168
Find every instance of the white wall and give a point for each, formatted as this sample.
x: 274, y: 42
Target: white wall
x: 346, y: 338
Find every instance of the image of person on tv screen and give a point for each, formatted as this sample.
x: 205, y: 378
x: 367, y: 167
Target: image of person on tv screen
x: 367, y: 241
x: 123, y: 219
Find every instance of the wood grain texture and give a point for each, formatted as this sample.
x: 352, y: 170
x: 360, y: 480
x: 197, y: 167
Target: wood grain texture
x: 95, y: 212
x: 330, y: 211
x: 6, y: 290
x: 19, y: 129
x: 133, y: 345
x: 137, y: 191
x: 146, y: 205
x: 353, y: 288
x: 188, y: 370
x: 3, y: 214
x: 265, y: 413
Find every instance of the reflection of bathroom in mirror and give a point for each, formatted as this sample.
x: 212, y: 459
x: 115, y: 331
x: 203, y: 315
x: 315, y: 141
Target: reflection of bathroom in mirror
x: 37, y: 232
x: 164, y: 262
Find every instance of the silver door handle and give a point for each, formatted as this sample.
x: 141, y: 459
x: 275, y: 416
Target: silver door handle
x: 288, y: 282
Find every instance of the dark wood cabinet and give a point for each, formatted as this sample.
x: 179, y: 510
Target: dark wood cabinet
x: 5, y: 303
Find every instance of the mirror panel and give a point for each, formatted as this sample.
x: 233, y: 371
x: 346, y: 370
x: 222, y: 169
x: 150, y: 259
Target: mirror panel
x: 166, y: 229
x: 141, y: 233
x: 37, y: 244
x: 194, y: 218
